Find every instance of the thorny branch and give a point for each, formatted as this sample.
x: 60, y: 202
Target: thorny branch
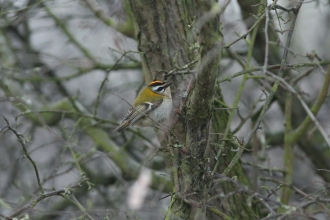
x: 34, y: 202
x: 303, y: 103
x: 21, y: 139
x: 271, y: 95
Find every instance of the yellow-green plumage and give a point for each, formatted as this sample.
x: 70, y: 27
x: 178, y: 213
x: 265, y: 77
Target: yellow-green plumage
x: 150, y: 106
x: 148, y: 96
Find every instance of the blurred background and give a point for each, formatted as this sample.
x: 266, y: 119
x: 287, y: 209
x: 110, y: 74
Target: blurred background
x: 71, y: 62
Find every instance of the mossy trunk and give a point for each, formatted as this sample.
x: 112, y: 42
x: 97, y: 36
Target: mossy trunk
x: 176, y: 35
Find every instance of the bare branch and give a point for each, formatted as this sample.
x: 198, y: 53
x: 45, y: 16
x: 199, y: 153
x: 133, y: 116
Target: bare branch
x: 21, y: 138
x: 270, y: 96
x: 127, y: 28
x: 35, y: 201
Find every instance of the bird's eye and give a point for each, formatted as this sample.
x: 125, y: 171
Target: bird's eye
x: 160, y: 89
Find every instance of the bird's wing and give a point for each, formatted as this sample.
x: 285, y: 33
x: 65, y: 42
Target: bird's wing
x: 139, y: 111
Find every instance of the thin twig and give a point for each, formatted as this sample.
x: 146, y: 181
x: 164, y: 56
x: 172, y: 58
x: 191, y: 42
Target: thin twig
x: 264, y: 168
x: 267, y: 41
x: 305, y: 106
x: 271, y: 95
x: 248, y: 32
x: 127, y: 28
x: 71, y: 37
x: 21, y: 138
x: 35, y: 201
x: 140, y: 111
x: 239, y: 93
x: 296, y: 79
x: 273, y: 67
x: 106, y: 78
x: 70, y: 197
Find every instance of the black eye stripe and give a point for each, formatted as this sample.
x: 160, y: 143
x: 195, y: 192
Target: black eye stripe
x: 158, y: 86
x: 160, y: 89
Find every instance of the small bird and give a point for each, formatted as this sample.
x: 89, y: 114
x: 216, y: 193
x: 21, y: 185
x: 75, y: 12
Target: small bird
x: 151, y: 107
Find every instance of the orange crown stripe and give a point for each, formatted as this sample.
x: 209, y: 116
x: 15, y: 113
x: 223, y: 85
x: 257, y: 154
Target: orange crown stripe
x: 156, y: 82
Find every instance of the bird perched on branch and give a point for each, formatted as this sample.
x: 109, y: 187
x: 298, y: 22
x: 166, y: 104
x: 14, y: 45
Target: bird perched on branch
x: 151, y: 107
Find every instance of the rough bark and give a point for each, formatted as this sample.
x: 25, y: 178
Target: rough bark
x: 171, y: 35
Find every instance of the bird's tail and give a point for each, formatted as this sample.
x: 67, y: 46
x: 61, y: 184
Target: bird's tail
x: 122, y: 126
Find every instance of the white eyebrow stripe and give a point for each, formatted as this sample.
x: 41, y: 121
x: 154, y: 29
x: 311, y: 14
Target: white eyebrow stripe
x: 155, y: 88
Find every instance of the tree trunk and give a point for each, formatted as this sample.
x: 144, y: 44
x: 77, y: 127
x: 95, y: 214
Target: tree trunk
x: 177, y: 35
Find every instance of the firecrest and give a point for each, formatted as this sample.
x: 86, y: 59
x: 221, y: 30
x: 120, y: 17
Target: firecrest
x: 151, y: 107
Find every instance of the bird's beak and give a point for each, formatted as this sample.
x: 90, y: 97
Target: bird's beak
x: 168, y: 84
